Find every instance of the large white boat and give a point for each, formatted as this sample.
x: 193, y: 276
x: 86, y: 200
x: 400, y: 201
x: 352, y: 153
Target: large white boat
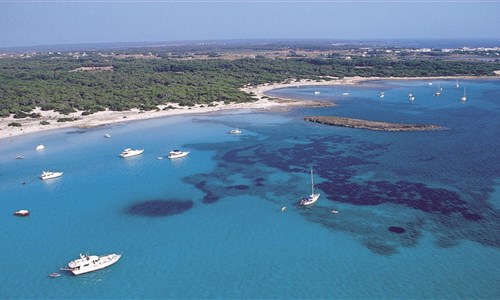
x: 89, y: 263
x: 305, y: 201
x: 50, y: 175
x: 177, y: 154
x: 129, y: 152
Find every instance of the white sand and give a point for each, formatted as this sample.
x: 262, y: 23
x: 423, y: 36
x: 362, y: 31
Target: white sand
x: 30, y: 125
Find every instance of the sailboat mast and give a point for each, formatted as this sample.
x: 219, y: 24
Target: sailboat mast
x: 312, y: 182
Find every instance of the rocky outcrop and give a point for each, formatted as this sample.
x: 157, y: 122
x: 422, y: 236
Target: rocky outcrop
x: 370, y: 125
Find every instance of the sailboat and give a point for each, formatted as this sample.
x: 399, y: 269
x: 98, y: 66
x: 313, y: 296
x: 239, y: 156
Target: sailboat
x: 457, y: 85
x: 464, y: 97
x: 305, y: 201
x: 381, y: 95
x: 438, y: 92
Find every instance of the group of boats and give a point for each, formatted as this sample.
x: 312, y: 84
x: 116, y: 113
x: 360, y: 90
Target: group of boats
x: 437, y: 93
x: 128, y: 152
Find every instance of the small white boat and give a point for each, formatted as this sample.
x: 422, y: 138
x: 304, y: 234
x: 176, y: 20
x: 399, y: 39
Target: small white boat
x: 382, y: 94
x: 19, y: 157
x: 411, y: 97
x: 22, y: 213
x: 129, y: 152
x: 311, y: 199
x: 345, y: 94
x: 317, y: 93
x: 160, y: 157
x: 107, y: 135
x: 464, y: 97
x: 89, y: 263
x: 50, y: 175
x: 430, y: 83
x: 54, y: 275
x: 457, y: 85
x: 39, y: 147
x: 333, y: 211
x: 235, y: 131
x: 283, y: 208
x: 438, y: 92
x: 177, y: 154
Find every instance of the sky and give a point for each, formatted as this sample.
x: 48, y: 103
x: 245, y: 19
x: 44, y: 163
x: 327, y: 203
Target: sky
x: 53, y: 22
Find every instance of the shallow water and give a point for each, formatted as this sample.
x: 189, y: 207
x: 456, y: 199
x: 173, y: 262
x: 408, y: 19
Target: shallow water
x: 210, y: 225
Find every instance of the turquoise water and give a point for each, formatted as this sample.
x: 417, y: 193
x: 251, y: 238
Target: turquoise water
x: 210, y: 225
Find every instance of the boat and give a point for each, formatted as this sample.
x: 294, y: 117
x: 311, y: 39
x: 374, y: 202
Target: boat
x: 438, y: 92
x: 160, y: 157
x: 50, y: 175
x: 90, y: 263
x: 39, y: 147
x: 22, y: 213
x: 316, y: 93
x: 382, y: 94
x: 129, y: 152
x: 54, y: 275
x: 235, y: 131
x: 283, y: 208
x: 177, y: 154
x: 107, y: 135
x: 464, y: 97
x: 19, y: 157
x: 430, y: 83
x: 334, y: 211
x: 411, y: 97
x: 305, y: 201
x: 457, y: 85
x: 345, y: 94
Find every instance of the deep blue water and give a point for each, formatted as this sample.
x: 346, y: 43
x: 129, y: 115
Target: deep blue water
x: 418, y: 211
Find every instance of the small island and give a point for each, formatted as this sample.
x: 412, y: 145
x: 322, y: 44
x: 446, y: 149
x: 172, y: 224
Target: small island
x: 370, y: 125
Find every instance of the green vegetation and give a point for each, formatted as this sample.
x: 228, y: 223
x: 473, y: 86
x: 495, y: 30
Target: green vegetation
x: 15, y: 124
x: 26, y: 83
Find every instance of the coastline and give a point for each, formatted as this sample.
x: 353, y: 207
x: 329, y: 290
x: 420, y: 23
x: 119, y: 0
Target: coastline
x: 263, y: 102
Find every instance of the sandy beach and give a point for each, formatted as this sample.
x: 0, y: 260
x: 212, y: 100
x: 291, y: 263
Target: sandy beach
x: 263, y: 102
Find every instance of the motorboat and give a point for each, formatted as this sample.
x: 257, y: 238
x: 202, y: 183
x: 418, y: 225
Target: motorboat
x: 54, y: 275
x: 235, y: 131
x: 311, y: 199
x: 128, y: 152
x: 39, y: 147
x: 107, y: 135
x: 334, y: 211
x: 22, y: 213
x: 411, y: 97
x: 317, y: 93
x: 90, y: 263
x: 177, y: 154
x: 19, y: 157
x: 50, y: 175
x: 382, y: 94
x: 345, y: 94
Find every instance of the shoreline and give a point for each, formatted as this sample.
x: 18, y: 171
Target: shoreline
x: 263, y: 102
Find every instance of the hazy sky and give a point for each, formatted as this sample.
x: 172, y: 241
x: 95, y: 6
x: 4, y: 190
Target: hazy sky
x: 25, y: 23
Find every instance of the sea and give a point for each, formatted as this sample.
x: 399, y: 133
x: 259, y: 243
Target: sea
x: 418, y: 212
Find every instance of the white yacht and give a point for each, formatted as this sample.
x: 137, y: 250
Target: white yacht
x: 39, y: 147
x: 50, y: 175
x: 235, y: 131
x: 305, y: 201
x: 438, y: 92
x: 129, y: 152
x: 89, y: 263
x: 177, y: 154
x: 464, y: 97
